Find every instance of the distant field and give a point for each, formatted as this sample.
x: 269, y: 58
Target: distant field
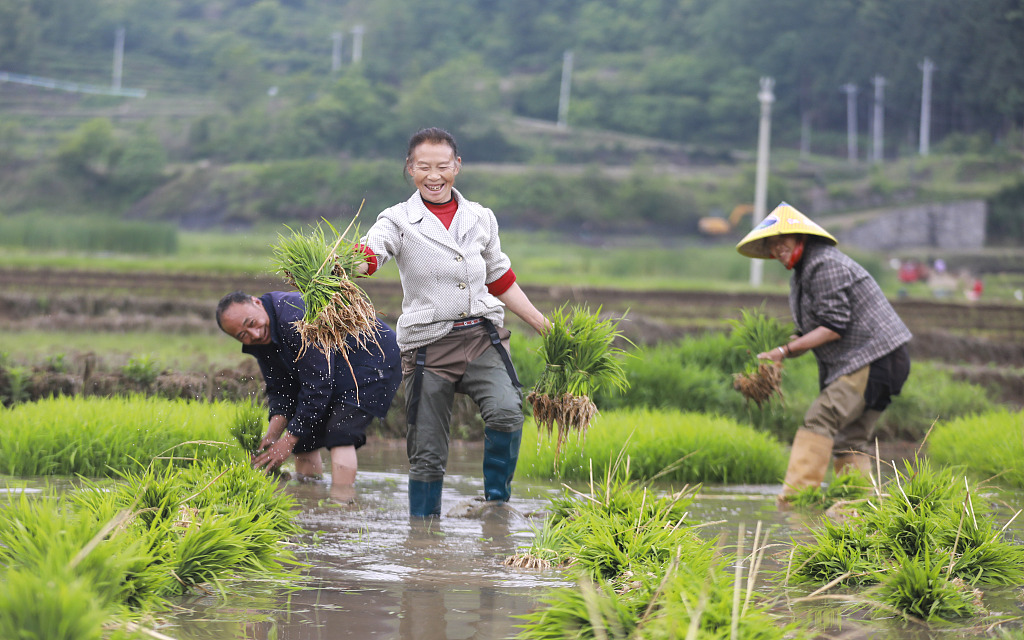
x: 541, y: 259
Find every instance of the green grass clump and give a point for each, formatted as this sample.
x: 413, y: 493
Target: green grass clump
x: 996, y: 445
x: 109, y: 555
x: 925, y: 544
x: 846, y: 487
x: 918, y: 587
x: 712, y: 449
x: 247, y: 427
x: 97, y: 437
x: 641, y: 569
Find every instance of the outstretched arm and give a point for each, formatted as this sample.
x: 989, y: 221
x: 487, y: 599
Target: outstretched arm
x: 517, y: 302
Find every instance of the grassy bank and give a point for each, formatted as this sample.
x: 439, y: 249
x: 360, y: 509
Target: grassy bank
x: 693, y: 375
x: 684, y: 448
x: 989, y: 445
x: 109, y: 436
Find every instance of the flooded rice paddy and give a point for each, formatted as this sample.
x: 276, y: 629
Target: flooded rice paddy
x: 375, y: 573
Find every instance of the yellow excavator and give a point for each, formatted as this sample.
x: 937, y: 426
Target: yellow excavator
x: 716, y: 226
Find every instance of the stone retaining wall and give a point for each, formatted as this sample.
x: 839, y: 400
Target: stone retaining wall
x: 949, y: 225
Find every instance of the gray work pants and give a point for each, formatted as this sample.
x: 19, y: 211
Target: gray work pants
x: 487, y: 383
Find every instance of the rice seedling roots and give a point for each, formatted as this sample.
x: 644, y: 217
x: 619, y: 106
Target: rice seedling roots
x: 568, y: 412
x: 762, y: 384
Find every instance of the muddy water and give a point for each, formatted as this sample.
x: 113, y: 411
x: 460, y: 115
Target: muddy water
x: 374, y: 573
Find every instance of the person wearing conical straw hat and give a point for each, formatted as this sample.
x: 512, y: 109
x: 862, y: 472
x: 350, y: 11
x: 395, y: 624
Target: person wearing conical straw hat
x: 859, y: 341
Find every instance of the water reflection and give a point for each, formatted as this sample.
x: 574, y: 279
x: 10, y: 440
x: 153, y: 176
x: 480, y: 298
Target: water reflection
x: 374, y: 573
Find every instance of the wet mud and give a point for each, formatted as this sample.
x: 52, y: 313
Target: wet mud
x: 372, y: 572
x: 375, y: 573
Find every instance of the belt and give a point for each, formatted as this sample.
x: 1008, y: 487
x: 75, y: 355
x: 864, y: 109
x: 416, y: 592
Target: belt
x: 468, y: 322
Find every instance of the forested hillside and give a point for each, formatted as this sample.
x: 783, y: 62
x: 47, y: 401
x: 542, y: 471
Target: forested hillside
x: 234, y: 81
x: 683, y: 70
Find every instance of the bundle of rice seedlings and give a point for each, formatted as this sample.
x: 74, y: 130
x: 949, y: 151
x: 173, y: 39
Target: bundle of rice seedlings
x: 579, y: 358
x: 757, y: 332
x: 323, y: 270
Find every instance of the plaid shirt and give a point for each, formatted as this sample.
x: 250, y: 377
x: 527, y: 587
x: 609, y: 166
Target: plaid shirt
x: 829, y: 289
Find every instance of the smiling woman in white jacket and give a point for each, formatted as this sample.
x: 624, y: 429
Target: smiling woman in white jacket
x: 456, y: 283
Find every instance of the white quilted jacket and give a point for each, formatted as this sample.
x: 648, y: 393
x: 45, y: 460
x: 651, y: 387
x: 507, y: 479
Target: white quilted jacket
x: 444, y: 272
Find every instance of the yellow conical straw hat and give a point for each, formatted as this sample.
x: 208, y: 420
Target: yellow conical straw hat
x: 782, y: 220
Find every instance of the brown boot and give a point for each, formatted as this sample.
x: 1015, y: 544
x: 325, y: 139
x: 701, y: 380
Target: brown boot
x: 852, y: 461
x: 808, y: 462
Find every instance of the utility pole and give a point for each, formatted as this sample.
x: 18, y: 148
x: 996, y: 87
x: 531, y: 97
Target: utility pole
x: 336, y: 52
x: 805, y: 135
x: 764, y: 132
x: 563, y: 94
x: 927, y: 68
x: 877, y: 121
x: 851, y: 121
x: 357, y: 43
x: 118, y: 56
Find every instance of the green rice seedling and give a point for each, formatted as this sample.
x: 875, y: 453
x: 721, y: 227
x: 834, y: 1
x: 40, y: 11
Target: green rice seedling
x: 619, y: 528
x: 247, y: 427
x: 98, y: 437
x: 934, y: 395
x: 36, y: 606
x: 545, y: 551
x: 168, y: 504
x: 141, y: 370
x: 156, y: 495
x: 756, y: 332
x: 845, y: 487
x: 105, y: 546
x: 209, y: 550
x: 323, y: 270
x: 658, y: 379
x: 920, y: 485
x: 918, y: 587
x: 997, y: 445
x: 580, y: 358
x: 844, y: 552
x: 589, y: 611
x: 682, y: 447
x: 52, y: 538
x: 926, y: 538
x: 992, y: 562
x: 698, y: 601
x: 14, y: 381
x: 213, y: 485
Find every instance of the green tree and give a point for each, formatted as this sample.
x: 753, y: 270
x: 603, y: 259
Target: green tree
x: 90, y: 150
x: 238, y: 76
x: 19, y: 34
x: 462, y: 94
x: 351, y: 117
x: 140, y: 165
